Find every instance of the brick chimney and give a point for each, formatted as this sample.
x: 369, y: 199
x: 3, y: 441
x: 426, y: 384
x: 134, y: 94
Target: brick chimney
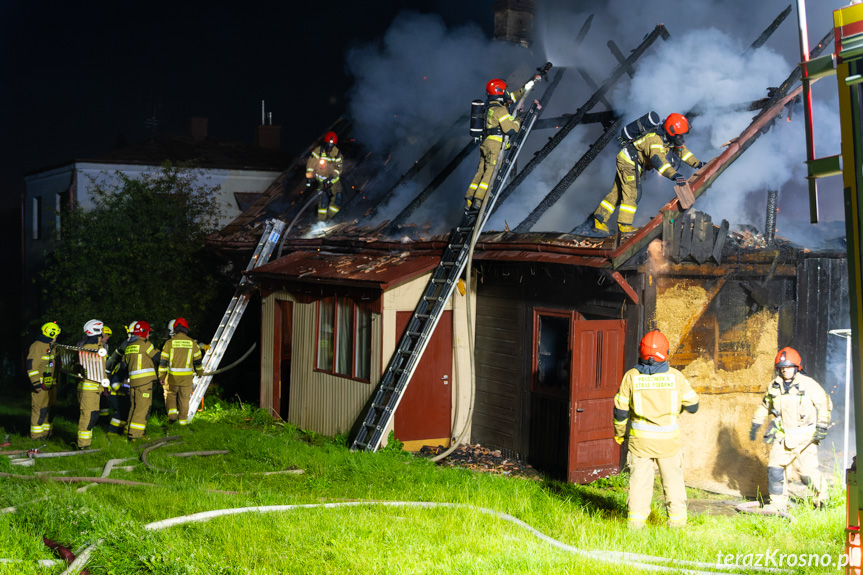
x: 196, y: 128
x: 513, y: 21
x: 268, y: 136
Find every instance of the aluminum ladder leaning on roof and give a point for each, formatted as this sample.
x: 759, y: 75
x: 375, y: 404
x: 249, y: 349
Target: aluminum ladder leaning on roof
x: 269, y: 240
x: 431, y: 305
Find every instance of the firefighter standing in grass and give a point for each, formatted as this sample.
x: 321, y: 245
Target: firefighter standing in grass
x: 140, y: 357
x: 41, y: 369
x: 498, y: 122
x: 178, y: 370
x: 648, y: 152
x: 801, y: 418
x: 90, y: 387
x: 323, y: 172
x: 653, y: 395
x: 107, y: 402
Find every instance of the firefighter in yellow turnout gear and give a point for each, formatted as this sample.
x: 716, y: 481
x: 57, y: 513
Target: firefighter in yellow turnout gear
x: 140, y: 358
x: 801, y: 418
x: 90, y: 386
x: 41, y: 370
x: 652, y: 395
x: 178, y: 369
x: 323, y: 172
x: 498, y: 123
x: 649, y: 152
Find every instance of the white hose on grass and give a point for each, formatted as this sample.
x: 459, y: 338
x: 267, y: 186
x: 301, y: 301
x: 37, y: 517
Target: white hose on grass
x: 643, y: 562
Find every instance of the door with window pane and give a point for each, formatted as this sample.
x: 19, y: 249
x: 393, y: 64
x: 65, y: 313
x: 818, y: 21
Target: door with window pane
x: 423, y: 415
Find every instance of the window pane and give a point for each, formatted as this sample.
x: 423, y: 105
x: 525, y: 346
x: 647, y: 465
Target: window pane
x: 552, y: 358
x: 363, y: 344
x: 326, y: 309
x: 344, y: 333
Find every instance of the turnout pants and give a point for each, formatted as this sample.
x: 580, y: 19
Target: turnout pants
x: 40, y: 412
x: 641, y: 489
x: 118, y: 404
x: 624, y: 192
x: 780, y: 460
x: 331, y: 201
x: 177, y: 403
x: 488, y: 154
x: 88, y: 416
x: 141, y: 399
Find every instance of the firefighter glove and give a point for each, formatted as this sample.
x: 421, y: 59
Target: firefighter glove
x: 679, y: 180
x: 820, y: 434
x: 699, y: 165
x: 618, y: 439
x: 753, y: 431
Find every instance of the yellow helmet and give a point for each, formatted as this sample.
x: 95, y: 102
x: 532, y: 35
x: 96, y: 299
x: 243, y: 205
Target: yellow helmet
x: 51, y: 330
x: 106, y: 331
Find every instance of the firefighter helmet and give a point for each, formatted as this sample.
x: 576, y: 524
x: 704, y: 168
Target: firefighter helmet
x: 331, y: 138
x: 181, y: 323
x: 653, y: 346
x: 107, y: 331
x: 496, y: 87
x: 788, y: 357
x: 141, y: 329
x: 171, y: 328
x: 93, y: 327
x: 676, y: 125
x: 51, y: 329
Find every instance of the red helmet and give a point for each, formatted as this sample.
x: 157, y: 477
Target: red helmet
x: 676, y: 125
x: 496, y: 87
x: 141, y: 329
x: 180, y: 322
x: 331, y: 138
x: 788, y: 357
x: 654, y: 346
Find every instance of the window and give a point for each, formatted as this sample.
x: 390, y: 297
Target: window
x: 37, y: 218
x: 551, y: 352
x: 344, y: 338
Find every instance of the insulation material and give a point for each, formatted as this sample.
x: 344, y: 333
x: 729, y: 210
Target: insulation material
x: 756, y: 338
x: 675, y: 307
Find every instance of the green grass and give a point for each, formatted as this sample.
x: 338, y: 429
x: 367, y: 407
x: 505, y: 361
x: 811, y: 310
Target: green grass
x: 358, y: 539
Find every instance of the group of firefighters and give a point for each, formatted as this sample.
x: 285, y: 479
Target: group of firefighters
x: 652, y: 396
x: 119, y: 383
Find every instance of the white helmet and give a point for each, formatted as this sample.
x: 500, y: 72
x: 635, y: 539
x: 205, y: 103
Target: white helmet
x: 171, y: 328
x: 93, y: 327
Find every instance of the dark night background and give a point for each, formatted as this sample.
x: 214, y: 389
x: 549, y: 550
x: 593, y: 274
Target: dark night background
x: 81, y: 78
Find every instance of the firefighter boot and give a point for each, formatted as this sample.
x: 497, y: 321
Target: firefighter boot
x: 627, y: 228
x: 592, y: 228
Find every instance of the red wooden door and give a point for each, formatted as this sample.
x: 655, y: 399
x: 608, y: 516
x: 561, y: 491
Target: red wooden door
x: 597, y: 368
x: 423, y: 415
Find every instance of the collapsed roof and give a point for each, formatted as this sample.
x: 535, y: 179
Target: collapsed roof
x: 361, y: 224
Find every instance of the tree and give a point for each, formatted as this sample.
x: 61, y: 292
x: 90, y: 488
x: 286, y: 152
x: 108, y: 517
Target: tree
x: 138, y: 255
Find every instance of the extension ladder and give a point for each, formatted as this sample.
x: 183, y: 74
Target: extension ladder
x: 269, y: 240
x: 431, y: 305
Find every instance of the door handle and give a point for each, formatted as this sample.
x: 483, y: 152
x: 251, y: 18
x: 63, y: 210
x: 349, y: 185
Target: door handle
x: 445, y: 380
x: 579, y: 410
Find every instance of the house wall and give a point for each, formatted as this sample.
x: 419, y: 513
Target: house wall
x: 329, y: 404
x: 50, y: 185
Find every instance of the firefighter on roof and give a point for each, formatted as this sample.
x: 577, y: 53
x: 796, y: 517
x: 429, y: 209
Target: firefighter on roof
x: 649, y: 151
x: 41, y: 370
x: 801, y: 418
x: 323, y: 172
x: 179, y: 370
x: 90, y: 386
x: 652, y: 395
x: 498, y: 122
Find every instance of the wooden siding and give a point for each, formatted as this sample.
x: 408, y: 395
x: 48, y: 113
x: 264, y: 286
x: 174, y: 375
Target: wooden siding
x: 500, y: 359
x: 268, y: 320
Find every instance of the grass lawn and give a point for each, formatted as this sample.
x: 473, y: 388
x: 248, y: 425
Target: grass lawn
x: 330, y: 518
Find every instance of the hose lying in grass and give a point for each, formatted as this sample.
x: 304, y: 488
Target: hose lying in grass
x: 80, y: 479
x: 40, y: 562
x: 148, y: 447
x: 200, y: 453
x: 105, y: 473
x: 645, y: 562
x: 64, y: 553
